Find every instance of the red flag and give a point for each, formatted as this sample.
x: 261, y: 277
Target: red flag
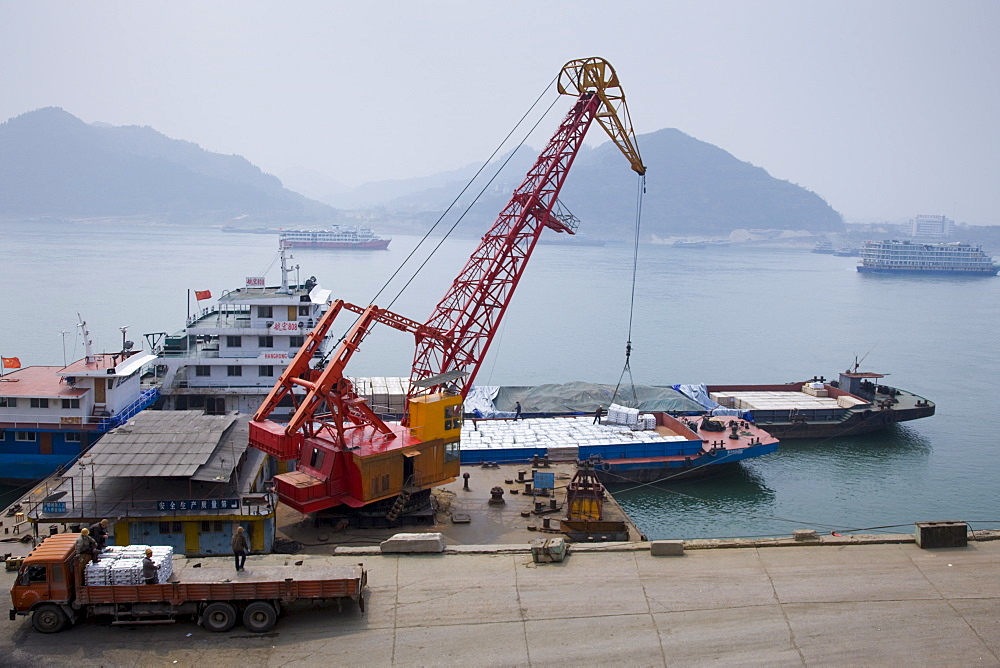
x: 11, y: 362
x: 202, y: 294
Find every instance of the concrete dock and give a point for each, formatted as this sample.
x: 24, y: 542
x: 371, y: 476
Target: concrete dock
x: 849, y: 604
x: 846, y: 600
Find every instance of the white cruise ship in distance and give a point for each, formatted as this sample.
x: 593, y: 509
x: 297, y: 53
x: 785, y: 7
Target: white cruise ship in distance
x: 337, y: 236
x: 914, y: 257
x: 230, y: 354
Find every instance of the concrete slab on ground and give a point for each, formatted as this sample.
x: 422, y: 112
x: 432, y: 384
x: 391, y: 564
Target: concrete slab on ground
x: 795, y: 605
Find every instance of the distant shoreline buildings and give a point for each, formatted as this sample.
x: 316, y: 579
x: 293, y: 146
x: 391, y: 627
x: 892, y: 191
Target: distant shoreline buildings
x: 931, y: 227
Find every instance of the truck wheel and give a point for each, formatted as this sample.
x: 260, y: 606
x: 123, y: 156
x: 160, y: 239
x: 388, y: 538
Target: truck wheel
x: 218, y: 617
x: 259, y: 617
x: 49, y: 618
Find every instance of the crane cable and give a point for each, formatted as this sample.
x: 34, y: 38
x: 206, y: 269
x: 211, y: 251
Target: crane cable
x: 460, y: 194
x: 641, y: 190
x: 444, y: 213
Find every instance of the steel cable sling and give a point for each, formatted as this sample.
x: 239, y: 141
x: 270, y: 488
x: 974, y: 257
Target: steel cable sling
x: 631, y: 309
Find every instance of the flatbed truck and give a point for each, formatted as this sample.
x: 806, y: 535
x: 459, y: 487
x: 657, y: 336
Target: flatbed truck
x: 47, y: 588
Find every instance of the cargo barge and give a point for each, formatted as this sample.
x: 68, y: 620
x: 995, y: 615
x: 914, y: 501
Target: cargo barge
x: 658, y: 446
x: 857, y: 403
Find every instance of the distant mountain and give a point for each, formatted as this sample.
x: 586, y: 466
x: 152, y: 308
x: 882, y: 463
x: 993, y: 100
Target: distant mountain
x: 692, y: 188
x: 54, y: 164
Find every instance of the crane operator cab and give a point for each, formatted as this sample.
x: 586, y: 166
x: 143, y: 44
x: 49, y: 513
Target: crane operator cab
x: 438, y: 416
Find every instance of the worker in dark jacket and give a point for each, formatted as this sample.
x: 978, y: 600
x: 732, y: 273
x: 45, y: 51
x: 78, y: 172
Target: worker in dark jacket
x: 598, y: 414
x: 99, y: 532
x: 241, y: 547
x: 149, y: 575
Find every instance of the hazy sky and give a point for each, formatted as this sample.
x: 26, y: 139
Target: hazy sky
x: 886, y: 109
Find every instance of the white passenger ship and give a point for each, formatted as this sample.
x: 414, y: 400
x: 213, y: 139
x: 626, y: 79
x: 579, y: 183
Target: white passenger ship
x: 230, y: 354
x: 913, y: 257
x: 337, y: 236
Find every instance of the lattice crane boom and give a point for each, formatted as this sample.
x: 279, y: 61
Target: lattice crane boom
x: 473, y: 307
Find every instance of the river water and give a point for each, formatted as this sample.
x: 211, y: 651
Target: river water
x: 716, y: 315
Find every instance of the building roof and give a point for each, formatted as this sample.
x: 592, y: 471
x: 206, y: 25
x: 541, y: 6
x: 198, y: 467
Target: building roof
x: 168, y: 444
x: 38, y: 381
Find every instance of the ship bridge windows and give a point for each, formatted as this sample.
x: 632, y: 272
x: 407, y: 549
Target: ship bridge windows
x: 234, y: 370
x: 202, y: 370
x: 70, y: 403
x: 265, y: 312
x: 39, y: 402
x: 234, y: 341
x: 8, y: 402
x: 296, y: 341
x: 304, y: 310
x: 265, y: 341
x: 26, y: 436
x: 73, y: 437
x: 265, y: 371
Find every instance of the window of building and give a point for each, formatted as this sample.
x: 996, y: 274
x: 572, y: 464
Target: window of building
x: 8, y: 402
x: 203, y: 370
x: 26, y: 436
x: 265, y: 312
x: 234, y: 341
x: 73, y: 437
x: 212, y: 527
x: 267, y: 371
x: 37, y: 402
x: 70, y: 403
x: 303, y: 310
x: 171, y: 527
x: 296, y: 341
x: 265, y: 341
x: 234, y: 371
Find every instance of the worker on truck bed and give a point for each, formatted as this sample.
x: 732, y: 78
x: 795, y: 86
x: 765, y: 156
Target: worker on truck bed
x: 149, y: 569
x: 241, y: 547
x: 99, y: 532
x: 86, y: 551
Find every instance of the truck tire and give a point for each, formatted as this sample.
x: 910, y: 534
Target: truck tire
x: 218, y: 617
x: 49, y: 618
x: 259, y: 617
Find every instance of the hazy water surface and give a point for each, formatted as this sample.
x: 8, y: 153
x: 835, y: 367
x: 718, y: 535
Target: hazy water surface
x: 726, y: 315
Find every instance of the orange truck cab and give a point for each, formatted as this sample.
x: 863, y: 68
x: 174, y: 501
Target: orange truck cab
x: 45, y: 585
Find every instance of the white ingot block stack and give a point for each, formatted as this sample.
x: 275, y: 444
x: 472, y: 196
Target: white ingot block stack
x: 163, y: 556
x: 97, y: 574
x: 126, y: 572
x: 623, y: 415
x: 122, y: 565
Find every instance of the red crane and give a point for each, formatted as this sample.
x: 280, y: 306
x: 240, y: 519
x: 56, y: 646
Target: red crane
x: 346, y: 454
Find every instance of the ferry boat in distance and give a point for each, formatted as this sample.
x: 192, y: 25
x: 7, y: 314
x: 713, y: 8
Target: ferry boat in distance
x: 337, y: 236
x: 824, y: 247
x: 912, y: 257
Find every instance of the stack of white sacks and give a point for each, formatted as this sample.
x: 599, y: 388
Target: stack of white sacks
x: 122, y: 565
